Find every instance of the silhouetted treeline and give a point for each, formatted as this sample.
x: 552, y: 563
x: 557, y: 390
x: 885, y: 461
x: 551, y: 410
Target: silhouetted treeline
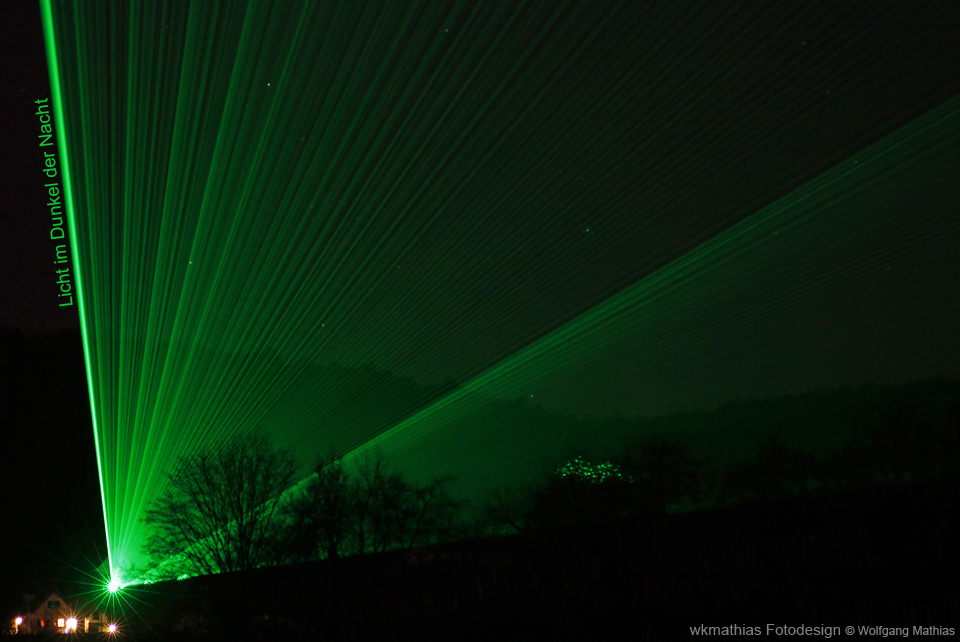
x: 913, y: 435
x: 910, y: 434
x: 741, y: 452
x: 376, y: 507
x: 373, y: 509
x: 234, y: 507
x: 856, y: 557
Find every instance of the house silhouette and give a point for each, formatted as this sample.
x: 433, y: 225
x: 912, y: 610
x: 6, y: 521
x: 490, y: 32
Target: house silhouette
x: 54, y: 614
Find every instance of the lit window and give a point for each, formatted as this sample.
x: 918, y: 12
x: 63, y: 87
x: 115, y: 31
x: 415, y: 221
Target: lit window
x: 60, y: 623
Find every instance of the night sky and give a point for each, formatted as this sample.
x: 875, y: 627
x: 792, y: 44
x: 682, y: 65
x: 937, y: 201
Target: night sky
x: 50, y: 525
x: 387, y: 236
x: 29, y: 296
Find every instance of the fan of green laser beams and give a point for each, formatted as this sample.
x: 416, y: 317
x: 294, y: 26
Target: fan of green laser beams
x: 311, y: 217
x: 857, y: 216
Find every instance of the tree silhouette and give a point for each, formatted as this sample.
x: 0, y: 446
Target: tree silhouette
x: 666, y: 474
x: 431, y: 514
x: 372, y: 509
x: 505, y: 510
x: 321, y: 516
x: 572, y: 501
x: 777, y: 472
x: 219, y: 510
x: 393, y: 512
x: 651, y: 478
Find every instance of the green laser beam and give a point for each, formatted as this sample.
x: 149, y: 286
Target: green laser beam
x: 372, y: 225
x: 62, y: 146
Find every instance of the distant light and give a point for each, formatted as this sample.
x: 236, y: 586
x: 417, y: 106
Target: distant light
x: 114, y: 585
x: 112, y: 628
x: 72, y: 624
x: 18, y: 621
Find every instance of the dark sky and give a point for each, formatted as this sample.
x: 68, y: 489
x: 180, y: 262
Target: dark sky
x: 48, y: 488
x: 28, y: 291
x: 910, y: 80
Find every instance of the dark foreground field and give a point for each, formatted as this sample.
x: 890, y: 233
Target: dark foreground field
x: 883, y: 558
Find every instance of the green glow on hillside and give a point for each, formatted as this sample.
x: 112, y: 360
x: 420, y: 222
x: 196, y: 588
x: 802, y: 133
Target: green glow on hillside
x: 413, y: 226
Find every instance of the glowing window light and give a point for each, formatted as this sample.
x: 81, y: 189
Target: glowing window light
x: 60, y: 623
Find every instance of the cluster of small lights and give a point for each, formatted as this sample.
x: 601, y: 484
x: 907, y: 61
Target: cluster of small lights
x: 593, y: 473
